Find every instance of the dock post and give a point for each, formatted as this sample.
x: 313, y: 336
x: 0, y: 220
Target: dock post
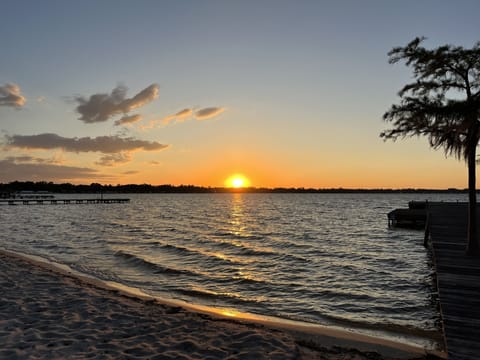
x: 427, y: 230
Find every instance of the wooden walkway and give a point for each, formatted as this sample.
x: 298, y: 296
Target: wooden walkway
x: 458, y: 280
x: 61, y: 201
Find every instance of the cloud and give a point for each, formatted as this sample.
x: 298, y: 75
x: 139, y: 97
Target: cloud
x: 114, y: 159
x: 103, y: 144
x: 10, y: 95
x: 207, y: 113
x: 10, y: 170
x: 30, y: 159
x: 100, y: 107
x: 24, y: 158
x: 202, y: 114
x: 128, y: 119
x: 41, y: 99
x: 179, y: 116
x: 182, y: 115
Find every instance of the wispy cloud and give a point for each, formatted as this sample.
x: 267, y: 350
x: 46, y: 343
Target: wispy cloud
x: 32, y: 159
x: 179, y: 116
x: 100, y: 107
x: 208, y: 113
x: 182, y: 115
x: 131, y: 172
x: 128, y: 119
x: 103, y: 144
x: 11, y: 170
x: 114, y: 159
x: 10, y: 95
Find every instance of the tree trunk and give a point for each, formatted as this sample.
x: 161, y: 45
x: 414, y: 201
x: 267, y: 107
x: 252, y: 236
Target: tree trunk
x: 473, y: 247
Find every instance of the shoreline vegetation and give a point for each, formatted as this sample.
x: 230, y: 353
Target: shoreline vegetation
x: 68, y: 188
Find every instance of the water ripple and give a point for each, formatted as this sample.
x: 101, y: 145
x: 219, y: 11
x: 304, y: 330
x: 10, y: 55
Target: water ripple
x: 317, y: 257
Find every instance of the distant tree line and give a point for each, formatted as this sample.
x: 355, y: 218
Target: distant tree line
x: 68, y: 188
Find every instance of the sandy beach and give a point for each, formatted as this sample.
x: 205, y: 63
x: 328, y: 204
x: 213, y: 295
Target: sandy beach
x: 47, y: 314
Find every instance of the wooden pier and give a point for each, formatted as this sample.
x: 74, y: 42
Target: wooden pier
x: 62, y: 201
x: 458, y: 279
x: 414, y: 217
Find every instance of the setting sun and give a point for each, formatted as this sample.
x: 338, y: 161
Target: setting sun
x: 237, y: 181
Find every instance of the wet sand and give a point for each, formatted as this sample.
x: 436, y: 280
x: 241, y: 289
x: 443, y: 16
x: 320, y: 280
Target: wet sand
x: 46, y: 313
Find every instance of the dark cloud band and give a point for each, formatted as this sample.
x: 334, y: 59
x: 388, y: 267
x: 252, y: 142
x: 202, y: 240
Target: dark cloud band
x: 11, y: 170
x: 103, y: 144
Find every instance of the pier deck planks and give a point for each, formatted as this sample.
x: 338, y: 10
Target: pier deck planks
x: 458, y: 280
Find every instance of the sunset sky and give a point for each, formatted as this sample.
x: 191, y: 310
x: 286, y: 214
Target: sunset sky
x: 287, y: 93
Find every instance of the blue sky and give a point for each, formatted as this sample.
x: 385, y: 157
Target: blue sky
x: 295, y: 89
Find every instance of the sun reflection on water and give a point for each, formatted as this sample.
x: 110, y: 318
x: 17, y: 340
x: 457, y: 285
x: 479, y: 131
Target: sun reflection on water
x: 229, y: 313
x: 239, y: 227
x: 237, y: 221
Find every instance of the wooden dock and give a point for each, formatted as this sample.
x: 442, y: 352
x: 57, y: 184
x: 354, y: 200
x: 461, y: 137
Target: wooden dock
x: 458, y: 279
x: 414, y: 217
x: 62, y: 201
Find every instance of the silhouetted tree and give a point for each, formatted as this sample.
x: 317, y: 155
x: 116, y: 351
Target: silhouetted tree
x: 443, y: 104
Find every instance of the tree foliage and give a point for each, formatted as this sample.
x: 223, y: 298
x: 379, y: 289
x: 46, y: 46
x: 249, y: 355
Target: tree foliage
x: 443, y: 103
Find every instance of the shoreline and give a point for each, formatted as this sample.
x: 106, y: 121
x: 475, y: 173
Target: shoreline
x: 304, y: 337
x: 201, y: 189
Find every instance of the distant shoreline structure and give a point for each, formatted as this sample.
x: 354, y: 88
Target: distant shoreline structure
x: 67, y: 188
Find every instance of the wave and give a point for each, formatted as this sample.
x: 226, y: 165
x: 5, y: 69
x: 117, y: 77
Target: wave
x: 230, y: 298
x: 239, y: 248
x: 174, y: 248
x: 250, y: 250
x: 294, y: 258
x: 288, y: 244
x: 223, y: 259
x: 428, y: 338
x: 137, y: 261
x: 238, y: 236
x: 248, y: 281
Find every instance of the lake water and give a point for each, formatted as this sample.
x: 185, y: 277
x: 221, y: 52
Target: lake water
x: 322, y: 258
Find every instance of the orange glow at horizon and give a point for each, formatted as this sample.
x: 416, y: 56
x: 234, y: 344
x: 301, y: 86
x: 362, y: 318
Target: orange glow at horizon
x: 237, y: 181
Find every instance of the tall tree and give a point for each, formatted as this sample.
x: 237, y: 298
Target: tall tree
x: 443, y: 104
